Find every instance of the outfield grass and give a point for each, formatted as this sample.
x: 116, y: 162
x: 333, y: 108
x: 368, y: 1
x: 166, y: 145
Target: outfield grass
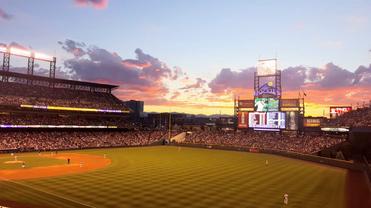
x: 187, y: 177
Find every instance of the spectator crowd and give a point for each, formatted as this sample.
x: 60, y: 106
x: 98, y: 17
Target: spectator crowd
x: 360, y: 117
x: 264, y: 140
x: 56, y: 140
x: 57, y: 119
x: 17, y: 94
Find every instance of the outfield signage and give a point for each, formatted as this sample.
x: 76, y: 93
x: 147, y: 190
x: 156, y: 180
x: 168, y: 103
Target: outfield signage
x: 246, y: 103
x: 290, y: 103
x: 243, y: 119
x: 312, y: 122
x: 267, y: 67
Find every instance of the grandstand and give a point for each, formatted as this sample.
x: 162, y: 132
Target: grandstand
x: 360, y: 117
x: 35, y: 100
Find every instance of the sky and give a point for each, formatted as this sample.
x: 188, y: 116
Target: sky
x: 195, y: 56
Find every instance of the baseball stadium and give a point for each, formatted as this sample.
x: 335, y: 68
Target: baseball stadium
x: 78, y: 133
x: 68, y: 143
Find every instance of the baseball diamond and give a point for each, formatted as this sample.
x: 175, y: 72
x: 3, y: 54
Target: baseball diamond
x: 179, y: 177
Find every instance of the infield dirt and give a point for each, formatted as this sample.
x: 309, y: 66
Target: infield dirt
x: 79, y: 163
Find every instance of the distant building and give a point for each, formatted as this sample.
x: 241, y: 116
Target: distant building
x: 136, y: 106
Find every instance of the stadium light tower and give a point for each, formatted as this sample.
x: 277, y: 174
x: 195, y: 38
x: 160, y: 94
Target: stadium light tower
x: 31, y: 56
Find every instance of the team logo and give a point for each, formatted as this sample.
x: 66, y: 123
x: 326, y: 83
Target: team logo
x: 267, y: 89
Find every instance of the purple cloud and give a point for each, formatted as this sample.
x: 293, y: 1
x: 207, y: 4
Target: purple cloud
x: 330, y: 76
x: 4, y: 15
x: 228, y: 79
x: 145, y: 74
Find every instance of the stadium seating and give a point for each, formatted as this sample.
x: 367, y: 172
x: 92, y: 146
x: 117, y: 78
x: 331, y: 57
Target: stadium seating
x: 59, y: 140
x: 360, y: 117
x: 304, y: 144
x: 17, y: 94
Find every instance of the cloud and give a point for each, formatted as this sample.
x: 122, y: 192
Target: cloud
x: 15, y: 45
x: 98, y: 4
x: 228, y: 79
x: 295, y: 78
x: 73, y: 47
x: 141, y: 78
x: 198, y: 84
x: 4, y: 15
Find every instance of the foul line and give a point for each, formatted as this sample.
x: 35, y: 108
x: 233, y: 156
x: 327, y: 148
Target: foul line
x: 46, y: 192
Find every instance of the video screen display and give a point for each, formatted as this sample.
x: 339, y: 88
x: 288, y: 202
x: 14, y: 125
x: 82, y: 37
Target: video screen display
x: 266, y: 104
x: 267, y: 120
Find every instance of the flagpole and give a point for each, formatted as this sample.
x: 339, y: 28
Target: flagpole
x: 169, y: 125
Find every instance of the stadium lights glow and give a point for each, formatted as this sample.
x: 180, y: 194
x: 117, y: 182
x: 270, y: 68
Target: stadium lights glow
x: 3, y: 49
x: 20, y: 52
x: 42, y: 56
x: 26, y: 53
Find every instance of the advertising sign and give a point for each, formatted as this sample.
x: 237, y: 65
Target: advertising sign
x: 267, y: 67
x: 312, y: 122
x: 246, y: 103
x: 292, y: 120
x: 243, y: 119
x: 290, y: 103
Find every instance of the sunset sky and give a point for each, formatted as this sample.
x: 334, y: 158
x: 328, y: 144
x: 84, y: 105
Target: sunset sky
x: 194, y: 56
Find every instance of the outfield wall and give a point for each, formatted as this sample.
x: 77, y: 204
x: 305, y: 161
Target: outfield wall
x: 312, y: 158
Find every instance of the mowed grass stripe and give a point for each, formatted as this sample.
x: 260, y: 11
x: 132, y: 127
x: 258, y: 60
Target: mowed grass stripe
x: 26, y: 194
x: 190, y: 177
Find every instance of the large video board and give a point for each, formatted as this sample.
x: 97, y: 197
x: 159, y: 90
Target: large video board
x: 267, y: 120
x: 339, y: 110
x: 266, y: 104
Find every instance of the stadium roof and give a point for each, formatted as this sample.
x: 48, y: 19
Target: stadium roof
x: 57, y: 80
